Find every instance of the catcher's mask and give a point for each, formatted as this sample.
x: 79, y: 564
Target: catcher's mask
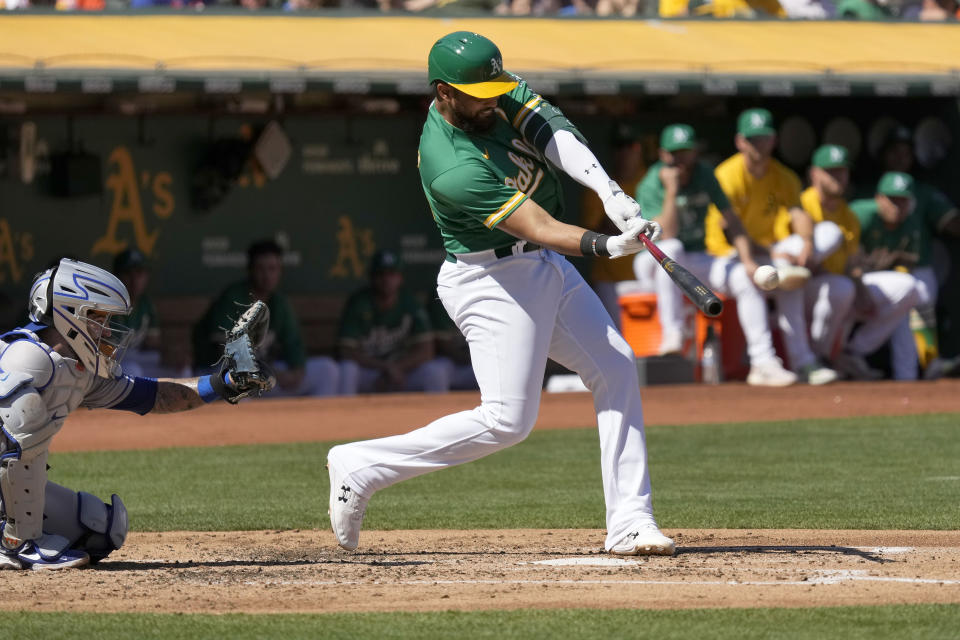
x: 79, y: 300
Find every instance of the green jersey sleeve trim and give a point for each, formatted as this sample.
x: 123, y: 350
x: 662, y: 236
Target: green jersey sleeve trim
x: 505, y: 210
x: 535, y: 119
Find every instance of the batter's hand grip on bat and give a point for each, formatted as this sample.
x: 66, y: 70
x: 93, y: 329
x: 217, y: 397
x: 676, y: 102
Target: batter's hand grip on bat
x: 699, y: 293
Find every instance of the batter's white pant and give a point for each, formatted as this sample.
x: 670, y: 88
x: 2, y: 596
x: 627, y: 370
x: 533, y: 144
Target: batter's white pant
x: 724, y: 275
x: 607, y: 292
x: 514, y: 313
x: 432, y: 376
x: 903, y: 346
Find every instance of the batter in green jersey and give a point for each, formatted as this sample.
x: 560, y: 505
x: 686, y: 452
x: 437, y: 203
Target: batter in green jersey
x: 473, y: 181
x: 490, y: 153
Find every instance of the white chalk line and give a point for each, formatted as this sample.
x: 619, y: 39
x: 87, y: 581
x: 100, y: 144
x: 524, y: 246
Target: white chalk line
x: 824, y: 577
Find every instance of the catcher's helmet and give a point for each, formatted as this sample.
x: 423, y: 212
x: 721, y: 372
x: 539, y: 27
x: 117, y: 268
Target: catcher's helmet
x: 471, y: 63
x: 78, y: 299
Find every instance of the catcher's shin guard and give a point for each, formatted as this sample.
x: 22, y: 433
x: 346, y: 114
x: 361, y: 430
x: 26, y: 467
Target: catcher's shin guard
x: 85, y: 520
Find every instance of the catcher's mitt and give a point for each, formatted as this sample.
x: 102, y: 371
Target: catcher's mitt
x: 248, y: 375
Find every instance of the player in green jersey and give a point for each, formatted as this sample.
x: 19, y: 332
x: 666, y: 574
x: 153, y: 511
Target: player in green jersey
x: 490, y: 153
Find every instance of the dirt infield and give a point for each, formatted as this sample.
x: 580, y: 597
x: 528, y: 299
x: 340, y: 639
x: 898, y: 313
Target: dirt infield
x: 304, y: 571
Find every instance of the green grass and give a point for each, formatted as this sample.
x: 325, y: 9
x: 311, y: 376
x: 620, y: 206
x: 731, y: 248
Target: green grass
x: 888, y: 472
x: 850, y: 623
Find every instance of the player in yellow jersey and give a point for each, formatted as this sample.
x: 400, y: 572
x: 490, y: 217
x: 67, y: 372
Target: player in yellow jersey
x: 762, y: 191
x: 850, y: 287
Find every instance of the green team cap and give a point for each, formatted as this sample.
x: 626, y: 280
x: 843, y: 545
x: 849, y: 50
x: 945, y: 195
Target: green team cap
x: 755, y: 122
x: 471, y: 63
x: 831, y: 156
x: 896, y: 184
x: 678, y: 136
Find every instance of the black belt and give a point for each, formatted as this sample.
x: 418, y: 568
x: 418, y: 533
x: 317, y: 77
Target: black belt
x: 501, y: 252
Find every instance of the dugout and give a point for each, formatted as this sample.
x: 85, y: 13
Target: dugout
x: 188, y: 136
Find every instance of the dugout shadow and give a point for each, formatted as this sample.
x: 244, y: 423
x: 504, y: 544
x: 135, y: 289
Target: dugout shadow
x: 762, y: 549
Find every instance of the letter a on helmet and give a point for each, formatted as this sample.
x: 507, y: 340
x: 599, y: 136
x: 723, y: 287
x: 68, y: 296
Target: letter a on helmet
x: 471, y: 63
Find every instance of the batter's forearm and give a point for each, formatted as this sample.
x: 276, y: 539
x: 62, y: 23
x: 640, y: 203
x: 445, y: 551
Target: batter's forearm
x: 532, y: 223
x: 568, y: 153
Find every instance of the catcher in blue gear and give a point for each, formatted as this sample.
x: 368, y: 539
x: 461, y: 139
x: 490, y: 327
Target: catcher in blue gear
x: 69, y: 356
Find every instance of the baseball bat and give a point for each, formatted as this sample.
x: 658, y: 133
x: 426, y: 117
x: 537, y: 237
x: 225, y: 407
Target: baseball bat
x: 696, y: 291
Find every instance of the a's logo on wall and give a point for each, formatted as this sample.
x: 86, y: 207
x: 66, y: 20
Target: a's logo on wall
x: 126, y: 209
x: 16, y: 248
x: 354, y: 248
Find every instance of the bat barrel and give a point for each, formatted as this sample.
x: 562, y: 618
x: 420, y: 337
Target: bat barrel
x: 712, y: 306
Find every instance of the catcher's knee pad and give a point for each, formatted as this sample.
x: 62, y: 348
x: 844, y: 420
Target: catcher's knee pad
x: 85, y: 520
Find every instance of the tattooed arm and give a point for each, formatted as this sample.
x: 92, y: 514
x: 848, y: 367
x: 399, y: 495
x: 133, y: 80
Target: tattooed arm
x: 177, y: 394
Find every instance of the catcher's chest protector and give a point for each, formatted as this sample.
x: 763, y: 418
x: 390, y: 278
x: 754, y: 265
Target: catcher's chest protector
x: 61, y: 382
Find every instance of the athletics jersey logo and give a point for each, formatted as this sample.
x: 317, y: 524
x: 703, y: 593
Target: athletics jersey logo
x: 530, y: 175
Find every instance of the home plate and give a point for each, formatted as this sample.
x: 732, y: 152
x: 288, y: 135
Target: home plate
x: 886, y: 550
x: 587, y: 562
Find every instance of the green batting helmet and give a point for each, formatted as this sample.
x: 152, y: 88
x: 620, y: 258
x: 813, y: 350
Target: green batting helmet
x: 471, y: 63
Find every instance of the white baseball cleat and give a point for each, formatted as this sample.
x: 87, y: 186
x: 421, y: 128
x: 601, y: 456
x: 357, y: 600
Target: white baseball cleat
x: 50, y: 553
x: 647, y: 540
x: 770, y: 373
x: 8, y: 561
x: 792, y: 277
x: 346, y: 510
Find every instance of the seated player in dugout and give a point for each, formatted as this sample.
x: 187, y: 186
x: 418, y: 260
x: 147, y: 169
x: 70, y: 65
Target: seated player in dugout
x: 849, y: 289
x: 897, y: 235
x: 940, y: 222
x: 765, y: 194
x: 69, y: 356
x: 283, y: 349
x: 386, y: 340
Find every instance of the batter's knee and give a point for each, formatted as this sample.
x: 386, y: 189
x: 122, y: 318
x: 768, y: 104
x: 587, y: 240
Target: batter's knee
x: 509, y: 424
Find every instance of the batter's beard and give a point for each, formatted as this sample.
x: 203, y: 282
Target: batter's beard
x: 475, y: 124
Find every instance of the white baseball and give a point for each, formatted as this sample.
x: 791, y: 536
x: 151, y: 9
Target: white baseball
x: 766, y: 277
